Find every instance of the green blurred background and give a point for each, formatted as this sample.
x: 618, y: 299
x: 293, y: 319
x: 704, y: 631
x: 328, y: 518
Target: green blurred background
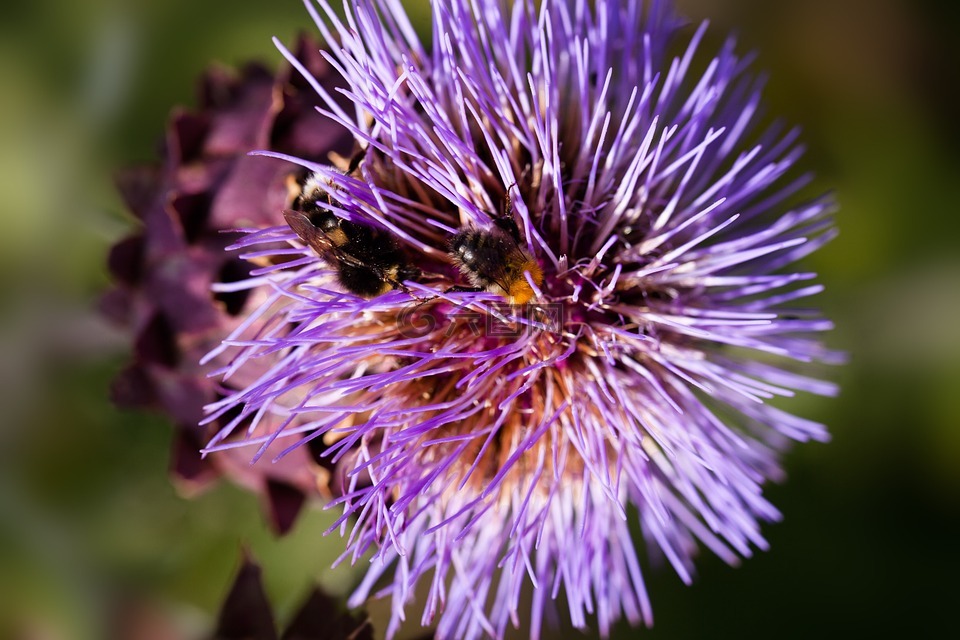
x: 89, y: 522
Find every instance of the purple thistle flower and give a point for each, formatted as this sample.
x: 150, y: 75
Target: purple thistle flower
x: 483, y: 445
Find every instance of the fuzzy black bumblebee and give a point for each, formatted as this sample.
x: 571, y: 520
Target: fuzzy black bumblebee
x: 494, y: 260
x: 368, y: 261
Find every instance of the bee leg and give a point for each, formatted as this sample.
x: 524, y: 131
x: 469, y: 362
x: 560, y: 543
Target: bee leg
x: 406, y: 272
x: 407, y: 290
x: 457, y: 288
x: 462, y: 289
x: 355, y: 160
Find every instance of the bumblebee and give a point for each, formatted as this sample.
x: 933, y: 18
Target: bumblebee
x: 368, y: 261
x: 494, y: 260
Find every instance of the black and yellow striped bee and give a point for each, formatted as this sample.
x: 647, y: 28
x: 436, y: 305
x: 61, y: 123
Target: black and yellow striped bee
x: 368, y: 260
x: 495, y: 260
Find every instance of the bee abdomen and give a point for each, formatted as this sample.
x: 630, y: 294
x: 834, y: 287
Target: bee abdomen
x: 364, y: 281
x: 480, y: 256
x: 464, y: 246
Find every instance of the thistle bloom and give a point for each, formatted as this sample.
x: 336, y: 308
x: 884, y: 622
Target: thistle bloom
x: 483, y: 446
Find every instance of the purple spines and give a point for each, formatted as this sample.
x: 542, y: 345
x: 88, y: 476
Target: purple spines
x: 483, y: 447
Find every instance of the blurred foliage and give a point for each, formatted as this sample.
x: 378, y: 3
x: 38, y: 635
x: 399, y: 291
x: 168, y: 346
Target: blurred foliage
x: 88, y: 518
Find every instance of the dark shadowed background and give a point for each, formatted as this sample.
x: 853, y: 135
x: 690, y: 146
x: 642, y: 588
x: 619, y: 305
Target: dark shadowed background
x: 90, y: 525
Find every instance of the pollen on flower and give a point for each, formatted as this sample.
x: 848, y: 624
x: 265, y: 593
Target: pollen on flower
x: 599, y: 307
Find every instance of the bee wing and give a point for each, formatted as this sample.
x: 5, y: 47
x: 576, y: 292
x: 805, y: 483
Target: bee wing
x: 320, y: 242
x: 308, y: 233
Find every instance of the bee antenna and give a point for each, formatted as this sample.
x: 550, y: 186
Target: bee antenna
x: 505, y: 220
x: 508, y: 200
